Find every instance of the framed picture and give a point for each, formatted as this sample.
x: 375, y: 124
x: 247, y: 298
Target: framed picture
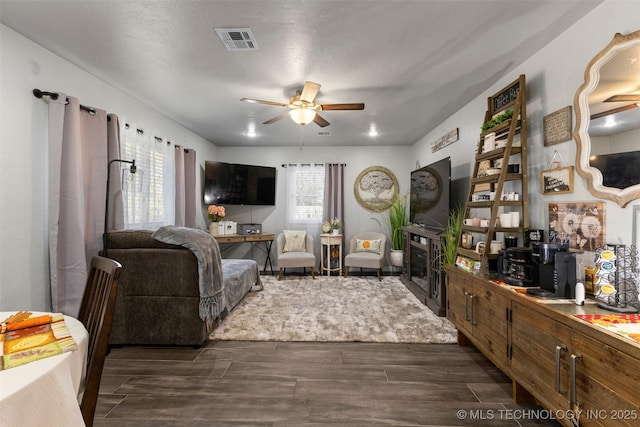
x: 557, y: 181
x: 375, y: 188
x: 557, y: 126
x: 581, y: 225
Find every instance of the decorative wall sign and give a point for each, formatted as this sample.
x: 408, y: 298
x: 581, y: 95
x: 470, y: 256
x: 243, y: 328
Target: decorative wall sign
x: 557, y: 126
x: 506, y: 97
x: 557, y: 181
x: 581, y: 225
x: 375, y: 188
x: 446, y: 139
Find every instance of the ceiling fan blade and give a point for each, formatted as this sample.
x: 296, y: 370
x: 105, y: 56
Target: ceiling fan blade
x: 259, y: 101
x: 309, y: 92
x: 320, y: 121
x: 276, y: 118
x: 354, y: 106
x: 624, y: 98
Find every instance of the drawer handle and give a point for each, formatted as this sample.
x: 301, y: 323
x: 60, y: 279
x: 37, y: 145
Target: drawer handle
x: 467, y: 316
x: 573, y: 400
x: 473, y: 320
x: 559, y: 350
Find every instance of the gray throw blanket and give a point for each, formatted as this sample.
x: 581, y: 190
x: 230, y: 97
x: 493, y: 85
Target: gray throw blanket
x: 206, y: 250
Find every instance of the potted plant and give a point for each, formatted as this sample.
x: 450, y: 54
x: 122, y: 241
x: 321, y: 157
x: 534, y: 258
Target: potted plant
x: 451, y: 236
x: 215, y: 214
x: 397, y: 220
x: 335, y: 226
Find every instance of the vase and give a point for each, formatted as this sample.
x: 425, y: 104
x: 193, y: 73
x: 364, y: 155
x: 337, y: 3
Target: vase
x: 213, y: 228
x: 335, y: 231
x: 396, y: 257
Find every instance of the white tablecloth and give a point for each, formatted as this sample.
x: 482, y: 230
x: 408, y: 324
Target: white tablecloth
x: 46, y: 392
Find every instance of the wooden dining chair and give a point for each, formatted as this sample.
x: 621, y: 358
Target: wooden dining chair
x: 96, y: 314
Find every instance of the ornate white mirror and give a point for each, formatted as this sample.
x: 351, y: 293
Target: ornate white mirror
x: 607, y: 131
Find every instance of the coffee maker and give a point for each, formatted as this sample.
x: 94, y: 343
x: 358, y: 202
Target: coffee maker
x: 516, y: 267
x: 554, y: 272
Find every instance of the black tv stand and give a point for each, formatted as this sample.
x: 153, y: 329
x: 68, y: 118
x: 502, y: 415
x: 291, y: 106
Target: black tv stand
x: 421, y: 272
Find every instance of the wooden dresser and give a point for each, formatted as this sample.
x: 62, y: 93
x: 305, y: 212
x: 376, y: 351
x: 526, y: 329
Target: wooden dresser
x: 570, y: 367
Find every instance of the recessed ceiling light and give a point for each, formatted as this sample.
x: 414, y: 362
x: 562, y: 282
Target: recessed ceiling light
x: 373, y: 133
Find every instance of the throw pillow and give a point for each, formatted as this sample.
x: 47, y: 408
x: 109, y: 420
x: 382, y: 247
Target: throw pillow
x: 295, y: 241
x: 368, y: 245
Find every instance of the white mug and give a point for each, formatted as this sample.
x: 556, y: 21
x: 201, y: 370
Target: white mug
x: 480, y: 247
x: 505, y: 220
x: 515, y: 219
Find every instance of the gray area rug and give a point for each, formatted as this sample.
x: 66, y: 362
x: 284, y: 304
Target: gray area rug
x: 334, y: 309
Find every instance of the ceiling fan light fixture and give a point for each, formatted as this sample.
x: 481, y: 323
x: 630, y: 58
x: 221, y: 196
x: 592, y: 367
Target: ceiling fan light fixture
x: 302, y: 116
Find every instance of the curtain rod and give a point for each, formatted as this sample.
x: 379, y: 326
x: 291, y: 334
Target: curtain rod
x: 53, y: 95
x: 141, y: 132
x: 284, y: 165
x: 39, y: 94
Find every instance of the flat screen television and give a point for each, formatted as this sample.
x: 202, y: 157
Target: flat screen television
x: 430, y: 193
x: 237, y: 184
x: 619, y: 170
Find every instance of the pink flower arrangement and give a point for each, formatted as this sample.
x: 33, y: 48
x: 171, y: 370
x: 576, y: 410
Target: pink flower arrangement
x: 216, y: 213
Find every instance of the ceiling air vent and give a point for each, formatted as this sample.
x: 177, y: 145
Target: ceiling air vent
x: 324, y: 133
x: 237, y: 38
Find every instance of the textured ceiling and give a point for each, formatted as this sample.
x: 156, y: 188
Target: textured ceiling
x: 413, y: 63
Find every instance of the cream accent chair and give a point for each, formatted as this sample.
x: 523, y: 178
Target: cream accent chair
x: 295, y: 259
x: 365, y: 259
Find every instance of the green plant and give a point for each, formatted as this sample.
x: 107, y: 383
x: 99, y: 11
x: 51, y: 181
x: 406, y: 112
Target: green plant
x: 497, y: 120
x: 335, y: 223
x: 451, y: 236
x: 397, y: 220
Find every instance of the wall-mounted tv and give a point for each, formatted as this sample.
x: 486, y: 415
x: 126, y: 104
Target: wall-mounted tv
x: 430, y: 194
x: 236, y: 184
x: 619, y: 170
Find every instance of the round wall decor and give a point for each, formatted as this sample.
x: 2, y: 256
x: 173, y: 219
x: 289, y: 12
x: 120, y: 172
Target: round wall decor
x: 375, y: 187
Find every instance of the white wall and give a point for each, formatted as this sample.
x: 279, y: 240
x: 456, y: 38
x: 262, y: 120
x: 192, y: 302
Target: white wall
x: 553, y: 76
x: 356, y: 218
x: 24, y: 273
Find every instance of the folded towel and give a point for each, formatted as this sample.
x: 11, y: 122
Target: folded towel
x: 23, y: 343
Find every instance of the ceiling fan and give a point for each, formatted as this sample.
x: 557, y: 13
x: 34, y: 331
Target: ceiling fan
x: 303, y: 108
x: 624, y: 98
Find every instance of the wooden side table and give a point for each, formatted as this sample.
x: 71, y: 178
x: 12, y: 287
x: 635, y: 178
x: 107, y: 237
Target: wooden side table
x: 326, y: 242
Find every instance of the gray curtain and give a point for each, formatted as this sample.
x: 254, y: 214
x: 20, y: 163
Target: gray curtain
x: 333, y: 206
x: 116, y: 204
x: 78, y: 157
x: 185, y: 202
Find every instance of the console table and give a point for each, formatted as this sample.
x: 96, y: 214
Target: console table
x: 326, y: 241
x: 267, y: 238
x: 577, y: 370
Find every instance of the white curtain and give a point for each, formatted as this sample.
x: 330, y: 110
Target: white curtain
x: 305, y: 192
x: 149, y: 193
x: 78, y: 158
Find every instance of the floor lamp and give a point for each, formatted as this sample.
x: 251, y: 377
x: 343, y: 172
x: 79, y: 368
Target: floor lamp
x: 132, y: 169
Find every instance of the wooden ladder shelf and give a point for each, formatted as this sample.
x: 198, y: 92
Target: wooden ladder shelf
x: 486, y: 191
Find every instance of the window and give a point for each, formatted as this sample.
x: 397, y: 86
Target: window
x: 147, y: 194
x: 305, y: 193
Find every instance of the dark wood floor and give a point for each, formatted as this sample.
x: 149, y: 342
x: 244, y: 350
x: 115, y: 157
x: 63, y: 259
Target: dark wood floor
x: 307, y: 384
